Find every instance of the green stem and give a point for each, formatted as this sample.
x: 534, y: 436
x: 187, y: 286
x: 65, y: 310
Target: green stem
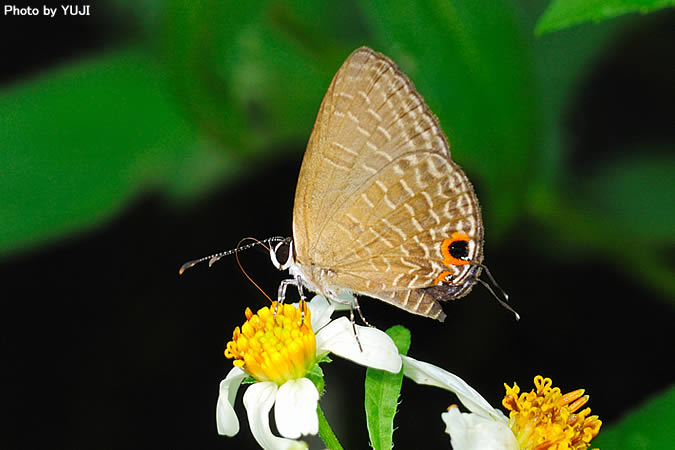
x: 326, y: 433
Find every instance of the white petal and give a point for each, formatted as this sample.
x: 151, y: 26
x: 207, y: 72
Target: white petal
x: 258, y: 401
x: 295, y: 409
x: 321, y: 312
x: 226, y: 418
x: 379, y: 351
x: 424, y: 373
x: 473, y: 432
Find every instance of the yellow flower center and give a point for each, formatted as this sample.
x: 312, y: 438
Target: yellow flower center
x: 274, y: 347
x: 545, y: 419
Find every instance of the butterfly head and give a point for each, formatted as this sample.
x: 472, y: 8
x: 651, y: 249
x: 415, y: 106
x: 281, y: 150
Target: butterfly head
x: 282, y: 255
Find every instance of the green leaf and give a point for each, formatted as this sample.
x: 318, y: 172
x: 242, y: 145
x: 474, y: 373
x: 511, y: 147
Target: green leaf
x: 141, y: 16
x: 252, y: 74
x: 565, y: 13
x: 401, y: 337
x: 648, y: 427
x: 562, y: 61
x: 315, y: 374
x: 623, y: 211
x: 324, y: 359
x: 78, y: 143
x: 382, y: 390
x: 326, y: 432
x: 631, y: 201
x: 189, y: 45
x: 249, y: 380
x: 471, y: 63
x: 636, y: 196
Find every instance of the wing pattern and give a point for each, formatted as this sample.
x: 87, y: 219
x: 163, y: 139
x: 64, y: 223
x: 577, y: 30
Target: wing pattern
x: 378, y: 193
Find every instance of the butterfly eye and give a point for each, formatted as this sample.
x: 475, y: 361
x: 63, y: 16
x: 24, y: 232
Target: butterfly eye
x: 281, y: 254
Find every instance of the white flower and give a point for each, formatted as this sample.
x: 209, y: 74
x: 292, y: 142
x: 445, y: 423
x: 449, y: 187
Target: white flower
x: 483, y: 428
x: 471, y: 431
x: 543, y: 415
x: 281, y: 374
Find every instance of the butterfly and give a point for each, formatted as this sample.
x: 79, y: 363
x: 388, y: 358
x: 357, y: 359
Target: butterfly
x: 380, y: 207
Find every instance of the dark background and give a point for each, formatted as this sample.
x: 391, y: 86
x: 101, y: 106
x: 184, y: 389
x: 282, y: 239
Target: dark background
x: 105, y: 346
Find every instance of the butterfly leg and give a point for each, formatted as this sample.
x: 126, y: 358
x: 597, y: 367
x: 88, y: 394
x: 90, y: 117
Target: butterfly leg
x: 303, y: 299
x: 281, y: 294
x: 342, y: 299
x: 351, y: 301
x: 356, y: 335
x: 358, y: 309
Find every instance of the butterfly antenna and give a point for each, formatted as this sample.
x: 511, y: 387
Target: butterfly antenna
x: 504, y: 298
x: 236, y: 256
x: 216, y: 256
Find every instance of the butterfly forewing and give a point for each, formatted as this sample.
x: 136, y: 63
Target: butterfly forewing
x: 377, y: 193
x: 367, y: 96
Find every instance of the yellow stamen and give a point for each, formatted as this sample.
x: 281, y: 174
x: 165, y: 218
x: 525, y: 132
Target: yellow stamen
x: 274, y: 347
x: 545, y: 419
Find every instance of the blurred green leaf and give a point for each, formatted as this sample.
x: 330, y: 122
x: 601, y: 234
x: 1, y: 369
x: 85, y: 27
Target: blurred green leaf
x: 188, y: 43
x: 252, y: 75
x: 382, y: 390
x: 140, y: 16
x: 622, y: 214
x: 566, y: 13
x: 247, y: 78
x: 475, y: 69
x: 579, y: 222
x: 287, y: 63
x: 79, y: 142
x: 647, y: 427
x: 562, y: 61
x: 636, y: 196
x: 631, y: 203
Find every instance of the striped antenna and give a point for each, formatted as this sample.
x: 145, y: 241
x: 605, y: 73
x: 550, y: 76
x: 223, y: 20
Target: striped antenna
x: 216, y: 256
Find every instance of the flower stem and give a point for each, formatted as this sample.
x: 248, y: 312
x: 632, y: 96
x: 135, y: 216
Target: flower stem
x: 326, y: 433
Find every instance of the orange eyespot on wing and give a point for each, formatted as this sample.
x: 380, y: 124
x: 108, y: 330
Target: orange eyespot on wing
x: 444, y: 277
x: 455, y: 249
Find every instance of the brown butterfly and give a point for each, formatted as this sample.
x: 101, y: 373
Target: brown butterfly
x: 380, y: 208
